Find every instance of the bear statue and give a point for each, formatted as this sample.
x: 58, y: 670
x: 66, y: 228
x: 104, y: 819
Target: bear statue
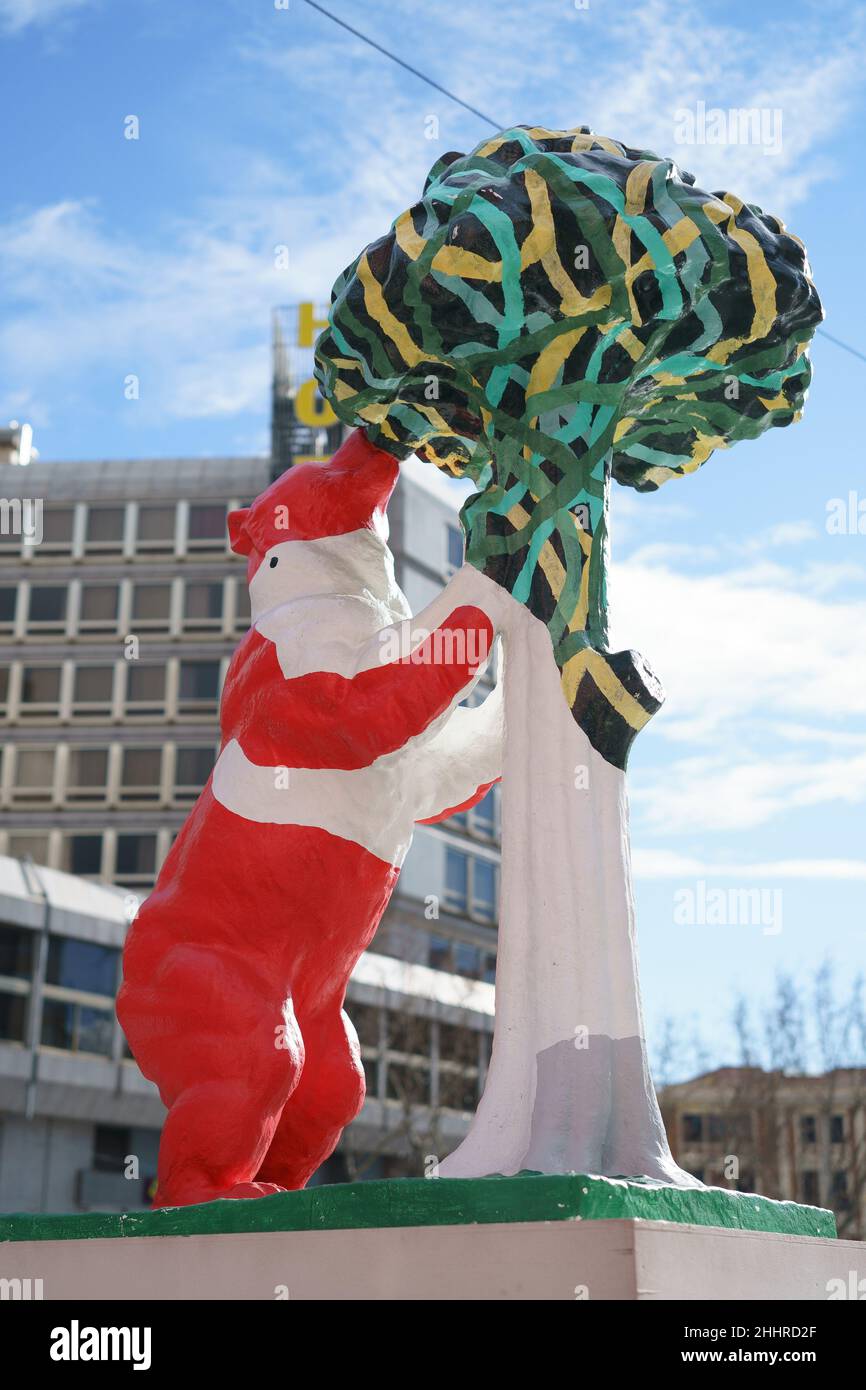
x: 342, y: 725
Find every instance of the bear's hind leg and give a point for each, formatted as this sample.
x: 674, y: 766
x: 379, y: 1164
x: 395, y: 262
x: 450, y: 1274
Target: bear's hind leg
x: 222, y: 1119
x: 328, y: 1097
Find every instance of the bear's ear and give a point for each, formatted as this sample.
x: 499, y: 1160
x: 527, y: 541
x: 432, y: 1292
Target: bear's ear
x: 239, y: 538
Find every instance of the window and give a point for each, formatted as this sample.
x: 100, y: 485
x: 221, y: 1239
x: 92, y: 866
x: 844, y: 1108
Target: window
x: 141, y: 773
x: 199, y: 683
x: 366, y: 1020
x: 408, y: 1083
x: 455, y: 547
x: 82, y: 854
x: 207, y: 525
x: 458, y: 1044
x: 839, y: 1194
x: 693, y: 1129
x: 8, y: 600
x: 457, y: 1091
x: 111, y: 1146
x: 458, y: 1066
x: 87, y: 774
x: 242, y: 605
x: 99, y: 606
x: 371, y: 1075
x: 34, y: 774
x: 483, y: 816
x: 151, y: 605
x: 92, y: 690
x: 439, y: 953
x: 136, y: 858
x: 31, y: 845
x: 40, y: 688
x: 48, y: 605
x: 145, y: 689
x: 16, y: 953
x: 105, y: 529
x: 467, y: 960
x: 84, y: 968
x: 192, y: 769
x: 470, y: 885
x: 809, y: 1187
x: 484, y: 890
x: 156, y: 528
x: 82, y: 965
x: 408, y: 1034
x: 837, y: 1129
x: 808, y: 1129
x: 77, y: 1027
x: 13, y: 1016
x: 16, y: 965
x: 57, y: 527
x: 203, y: 605
x: 456, y: 880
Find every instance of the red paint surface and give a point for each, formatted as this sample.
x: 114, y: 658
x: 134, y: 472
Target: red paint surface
x: 236, y: 966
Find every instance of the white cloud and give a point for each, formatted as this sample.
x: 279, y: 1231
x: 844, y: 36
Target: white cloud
x: 186, y: 305
x: 667, y: 864
x: 17, y: 15
x: 742, y: 642
x: 722, y: 792
x: 672, y: 56
x: 765, y: 692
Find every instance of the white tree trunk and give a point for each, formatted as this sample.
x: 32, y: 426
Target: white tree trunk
x: 569, y: 1086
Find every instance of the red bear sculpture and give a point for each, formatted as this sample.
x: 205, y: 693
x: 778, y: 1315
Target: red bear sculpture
x: 236, y: 966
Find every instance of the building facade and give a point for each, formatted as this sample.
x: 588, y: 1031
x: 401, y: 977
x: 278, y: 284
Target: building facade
x: 799, y: 1138
x: 120, y: 606
x: 79, y: 1124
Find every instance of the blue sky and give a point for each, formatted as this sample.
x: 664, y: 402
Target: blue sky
x: 262, y: 127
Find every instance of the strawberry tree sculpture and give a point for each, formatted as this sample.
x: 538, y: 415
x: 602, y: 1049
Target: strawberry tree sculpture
x: 559, y: 310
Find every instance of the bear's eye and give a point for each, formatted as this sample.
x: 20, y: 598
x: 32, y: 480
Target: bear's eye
x: 274, y: 559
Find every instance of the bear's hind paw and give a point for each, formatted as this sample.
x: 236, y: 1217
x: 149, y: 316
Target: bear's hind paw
x: 253, y: 1189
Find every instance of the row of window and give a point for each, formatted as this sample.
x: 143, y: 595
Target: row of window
x: 81, y: 979
x: 129, y: 858
x: 708, y: 1128
x: 89, y: 531
x: 136, y: 689
x: 95, y: 530
x: 461, y: 958
x: 175, y: 607
x: 407, y: 1058
x: 838, y: 1197
x: 420, y: 1061
x: 116, y: 775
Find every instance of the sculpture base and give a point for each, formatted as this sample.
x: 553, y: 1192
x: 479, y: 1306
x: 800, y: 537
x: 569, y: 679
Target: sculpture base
x: 631, y: 1261
x: 417, y: 1202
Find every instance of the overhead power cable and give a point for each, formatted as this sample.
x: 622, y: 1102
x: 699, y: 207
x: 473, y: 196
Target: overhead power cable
x: 497, y: 125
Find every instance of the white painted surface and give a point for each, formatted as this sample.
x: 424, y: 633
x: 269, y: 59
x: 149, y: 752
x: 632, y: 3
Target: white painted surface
x: 332, y: 605
x: 590, y: 1261
x: 569, y: 1087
